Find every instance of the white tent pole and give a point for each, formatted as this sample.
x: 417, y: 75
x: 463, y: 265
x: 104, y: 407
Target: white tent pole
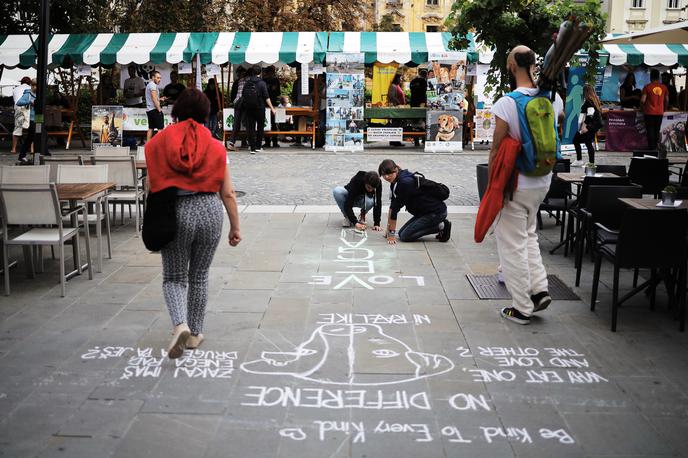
x: 199, y: 85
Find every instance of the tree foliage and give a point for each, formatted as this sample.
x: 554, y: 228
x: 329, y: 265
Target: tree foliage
x: 503, y: 24
x: 386, y: 24
x: 66, y: 16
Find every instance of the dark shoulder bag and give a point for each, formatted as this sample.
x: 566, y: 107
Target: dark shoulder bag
x: 160, y: 219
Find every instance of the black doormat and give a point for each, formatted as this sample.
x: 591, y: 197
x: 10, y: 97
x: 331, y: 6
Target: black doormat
x: 487, y: 287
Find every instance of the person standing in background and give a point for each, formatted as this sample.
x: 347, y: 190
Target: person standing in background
x: 172, y: 90
x: 592, y: 110
x: 274, y: 90
x: 654, y: 101
x: 156, y: 120
x: 395, y: 97
x: 21, y: 113
x: 134, y: 89
x: 235, y: 97
x: 211, y: 91
x: 27, y: 100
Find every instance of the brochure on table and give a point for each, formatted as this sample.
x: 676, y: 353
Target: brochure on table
x: 445, y: 101
x: 106, y: 125
x: 345, y: 98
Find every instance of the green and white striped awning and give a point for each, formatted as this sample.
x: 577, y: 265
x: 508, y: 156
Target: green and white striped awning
x: 157, y: 48
x: 650, y: 54
x: 400, y: 47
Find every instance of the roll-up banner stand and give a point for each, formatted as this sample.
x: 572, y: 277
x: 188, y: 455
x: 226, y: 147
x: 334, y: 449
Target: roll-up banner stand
x: 345, y: 95
x: 445, y: 101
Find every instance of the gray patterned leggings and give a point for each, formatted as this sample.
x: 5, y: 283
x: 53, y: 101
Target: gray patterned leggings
x: 186, y: 260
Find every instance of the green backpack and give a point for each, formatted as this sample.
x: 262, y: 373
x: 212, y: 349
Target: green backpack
x: 540, y: 146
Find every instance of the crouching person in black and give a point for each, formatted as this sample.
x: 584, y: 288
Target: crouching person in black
x: 363, y: 191
x: 424, y: 199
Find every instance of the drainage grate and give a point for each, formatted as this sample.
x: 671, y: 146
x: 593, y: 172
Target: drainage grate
x: 487, y: 287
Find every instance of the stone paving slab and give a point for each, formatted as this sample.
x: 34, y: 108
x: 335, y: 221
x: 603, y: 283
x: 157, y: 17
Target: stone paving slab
x: 321, y: 342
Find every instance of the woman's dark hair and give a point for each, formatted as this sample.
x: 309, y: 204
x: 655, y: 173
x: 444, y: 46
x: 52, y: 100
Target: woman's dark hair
x: 211, y: 83
x: 396, y: 79
x: 387, y: 166
x: 371, y: 178
x: 191, y: 103
x: 626, y: 82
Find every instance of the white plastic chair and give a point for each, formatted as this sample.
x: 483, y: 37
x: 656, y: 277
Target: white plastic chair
x: 54, y: 161
x: 38, y: 205
x: 91, y: 174
x: 27, y: 174
x: 24, y: 174
x: 111, y: 151
x: 122, y: 171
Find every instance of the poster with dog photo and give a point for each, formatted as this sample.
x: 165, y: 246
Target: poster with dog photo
x: 444, y: 131
x: 446, y: 101
x: 345, y: 94
x: 106, y: 125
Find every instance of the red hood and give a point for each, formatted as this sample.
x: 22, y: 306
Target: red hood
x: 187, y: 156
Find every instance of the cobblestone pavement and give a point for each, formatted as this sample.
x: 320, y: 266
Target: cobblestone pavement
x: 299, y: 176
x: 324, y: 343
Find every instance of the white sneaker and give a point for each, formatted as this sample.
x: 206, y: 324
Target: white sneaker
x: 253, y: 151
x: 577, y: 163
x: 259, y: 150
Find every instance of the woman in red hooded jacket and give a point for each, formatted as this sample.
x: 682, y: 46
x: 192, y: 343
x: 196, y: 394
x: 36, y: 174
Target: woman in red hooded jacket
x: 186, y: 156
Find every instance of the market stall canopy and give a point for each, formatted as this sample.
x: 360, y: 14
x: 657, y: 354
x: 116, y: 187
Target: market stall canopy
x: 157, y: 48
x: 638, y: 54
x: 670, y: 33
x: 400, y: 47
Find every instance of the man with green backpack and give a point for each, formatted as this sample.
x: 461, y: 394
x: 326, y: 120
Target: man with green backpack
x: 529, y: 116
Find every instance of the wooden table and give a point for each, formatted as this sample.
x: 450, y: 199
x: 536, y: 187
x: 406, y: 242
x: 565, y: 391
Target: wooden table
x: 74, y: 193
x: 649, y: 204
x: 578, y: 177
x: 141, y: 165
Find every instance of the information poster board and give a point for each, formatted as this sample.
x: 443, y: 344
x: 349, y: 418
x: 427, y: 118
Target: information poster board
x: 135, y: 119
x: 573, y: 104
x: 445, y: 102
x: 345, y: 97
x: 228, y: 120
x: 672, y: 138
x: 484, y: 125
x: 106, y: 125
x: 625, y: 131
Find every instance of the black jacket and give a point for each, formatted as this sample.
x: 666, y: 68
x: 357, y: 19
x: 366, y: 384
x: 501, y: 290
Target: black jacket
x: 592, y: 122
x: 356, y: 188
x: 405, y: 192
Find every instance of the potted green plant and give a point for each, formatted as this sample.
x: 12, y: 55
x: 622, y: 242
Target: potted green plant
x: 590, y: 169
x: 669, y: 195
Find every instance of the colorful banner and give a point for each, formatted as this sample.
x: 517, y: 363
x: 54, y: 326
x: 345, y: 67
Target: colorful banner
x: 228, y: 120
x: 106, y: 125
x: 345, y: 96
x: 672, y: 138
x: 484, y: 125
x: 135, y: 119
x: 574, y: 102
x: 446, y: 102
x: 625, y: 131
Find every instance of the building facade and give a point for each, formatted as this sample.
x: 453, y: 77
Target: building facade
x: 626, y: 16
x: 414, y: 15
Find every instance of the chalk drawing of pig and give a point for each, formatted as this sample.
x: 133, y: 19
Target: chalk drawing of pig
x: 344, y: 354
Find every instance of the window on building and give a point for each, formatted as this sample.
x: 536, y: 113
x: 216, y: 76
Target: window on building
x: 432, y: 28
x: 432, y: 2
x: 673, y: 4
x: 638, y: 4
x: 396, y: 28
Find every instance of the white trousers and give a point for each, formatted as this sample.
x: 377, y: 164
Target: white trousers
x: 519, y: 252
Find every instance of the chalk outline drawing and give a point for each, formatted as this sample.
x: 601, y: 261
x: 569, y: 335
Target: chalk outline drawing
x: 432, y: 361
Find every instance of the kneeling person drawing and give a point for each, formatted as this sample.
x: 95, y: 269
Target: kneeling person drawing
x: 428, y: 208
x: 364, y: 191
